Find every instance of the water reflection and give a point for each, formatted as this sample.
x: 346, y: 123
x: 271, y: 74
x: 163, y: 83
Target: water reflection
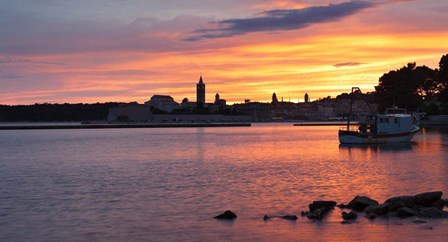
x: 131, y: 185
x: 379, y: 147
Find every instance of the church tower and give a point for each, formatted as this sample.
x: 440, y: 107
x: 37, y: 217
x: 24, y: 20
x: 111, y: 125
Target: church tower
x: 217, y: 98
x: 307, y: 99
x: 200, y: 93
x: 274, y: 99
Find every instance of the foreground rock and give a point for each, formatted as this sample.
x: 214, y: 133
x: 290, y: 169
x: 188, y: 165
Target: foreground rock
x: 377, y: 210
x: 407, y: 212
x: 318, y: 209
x: 359, y: 203
x: 423, y: 205
x: 291, y: 217
x: 401, y: 201
x: 321, y: 204
x: 227, y: 215
x: 428, y: 198
x: 432, y: 212
x: 349, y: 216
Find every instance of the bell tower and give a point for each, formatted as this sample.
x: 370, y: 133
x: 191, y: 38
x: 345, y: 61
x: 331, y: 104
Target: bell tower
x: 200, y: 93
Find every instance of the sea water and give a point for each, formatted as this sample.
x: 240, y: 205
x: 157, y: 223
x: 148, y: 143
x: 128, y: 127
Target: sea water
x: 167, y: 184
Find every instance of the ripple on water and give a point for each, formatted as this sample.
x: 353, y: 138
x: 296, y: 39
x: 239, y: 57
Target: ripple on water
x: 167, y: 184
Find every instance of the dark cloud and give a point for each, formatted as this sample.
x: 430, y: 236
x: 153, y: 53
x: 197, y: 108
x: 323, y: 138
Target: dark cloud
x: 285, y: 19
x: 9, y: 60
x: 42, y: 35
x: 10, y: 76
x: 347, y: 64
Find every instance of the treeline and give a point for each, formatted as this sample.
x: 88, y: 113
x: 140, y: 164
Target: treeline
x: 416, y: 88
x: 56, y: 112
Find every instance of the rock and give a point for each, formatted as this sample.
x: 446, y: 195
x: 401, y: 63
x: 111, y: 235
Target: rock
x: 419, y: 221
x: 290, y: 217
x: 406, y: 212
x: 380, y: 209
x: 342, y: 206
x: 318, y: 213
x: 445, y: 202
x: 428, y: 198
x: 322, y: 204
x: 349, y: 216
x: 228, y: 215
x: 359, y: 203
x: 318, y: 209
x: 401, y: 201
x: 266, y: 217
x: 391, y: 214
x: 438, y: 204
x: 303, y: 213
x: 370, y: 215
x: 432, y: 212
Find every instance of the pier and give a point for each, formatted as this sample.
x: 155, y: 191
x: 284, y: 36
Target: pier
x: 123, y: 126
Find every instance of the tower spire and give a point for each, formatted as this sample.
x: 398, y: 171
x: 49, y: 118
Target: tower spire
x: 200, y: 93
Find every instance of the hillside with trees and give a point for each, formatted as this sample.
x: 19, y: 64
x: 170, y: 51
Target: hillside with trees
x: 416, y: 88
x: 56, y: 112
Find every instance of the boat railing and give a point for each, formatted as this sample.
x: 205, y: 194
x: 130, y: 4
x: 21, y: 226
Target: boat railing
x: 351, y: 128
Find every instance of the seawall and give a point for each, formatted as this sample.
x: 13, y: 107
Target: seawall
x: 123, y: 126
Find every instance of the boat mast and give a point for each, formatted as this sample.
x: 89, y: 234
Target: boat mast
x: 351, y: 107
x: 354, y: 91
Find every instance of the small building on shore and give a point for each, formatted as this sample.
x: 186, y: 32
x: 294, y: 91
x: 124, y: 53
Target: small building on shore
x: 164, y: 103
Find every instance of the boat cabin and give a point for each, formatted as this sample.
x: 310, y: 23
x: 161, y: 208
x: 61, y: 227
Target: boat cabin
x: 385, y: 123
x: 393, y: 123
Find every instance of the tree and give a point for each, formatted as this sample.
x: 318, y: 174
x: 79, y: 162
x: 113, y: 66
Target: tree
x: 426, y: 78
x: 443, y: 70
x: 398, y: 88
x: 443, y: 79
x: 406, y: 87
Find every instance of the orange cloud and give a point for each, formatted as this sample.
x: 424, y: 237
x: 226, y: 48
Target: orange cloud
x: 149, y: 58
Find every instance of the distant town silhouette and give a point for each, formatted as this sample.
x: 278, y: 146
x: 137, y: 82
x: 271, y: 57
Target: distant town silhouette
x: 416, y: 88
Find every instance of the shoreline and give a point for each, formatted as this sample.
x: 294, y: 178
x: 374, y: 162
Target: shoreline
x: 124, y: 126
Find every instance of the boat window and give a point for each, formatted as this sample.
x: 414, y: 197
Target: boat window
x: 386, y: 120
x: 381, y: 120
x: 396, y: 120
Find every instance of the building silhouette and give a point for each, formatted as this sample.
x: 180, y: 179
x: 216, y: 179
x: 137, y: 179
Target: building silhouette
x: 274, y: 99
x: 307, y: 98
x: 200, y: 93
x: 217, y: 98
x: 164, y: 103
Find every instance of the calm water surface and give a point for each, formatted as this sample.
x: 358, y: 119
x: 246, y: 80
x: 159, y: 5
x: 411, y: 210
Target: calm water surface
x: 167, y: 184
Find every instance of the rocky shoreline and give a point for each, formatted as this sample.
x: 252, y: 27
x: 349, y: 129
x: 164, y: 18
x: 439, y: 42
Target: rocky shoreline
x: 428, y: 205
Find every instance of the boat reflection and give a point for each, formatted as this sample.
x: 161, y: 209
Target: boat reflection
x: 388, y: 147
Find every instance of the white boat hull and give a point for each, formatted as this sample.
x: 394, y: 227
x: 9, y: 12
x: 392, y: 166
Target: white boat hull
x: 351, y: 137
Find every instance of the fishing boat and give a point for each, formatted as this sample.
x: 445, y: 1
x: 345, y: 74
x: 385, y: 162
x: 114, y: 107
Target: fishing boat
x: 394, y: 126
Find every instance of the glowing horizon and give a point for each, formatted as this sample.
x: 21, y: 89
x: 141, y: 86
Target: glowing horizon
x: 89, y: 52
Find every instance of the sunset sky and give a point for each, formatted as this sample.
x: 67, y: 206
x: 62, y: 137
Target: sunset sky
x: 128, y: 50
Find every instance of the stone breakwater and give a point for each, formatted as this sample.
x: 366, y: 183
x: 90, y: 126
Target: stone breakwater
x: 124, y: 126
x: 426, y: 205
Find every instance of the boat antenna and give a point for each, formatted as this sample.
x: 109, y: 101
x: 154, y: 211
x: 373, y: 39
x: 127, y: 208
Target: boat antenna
x: 356, y: 90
